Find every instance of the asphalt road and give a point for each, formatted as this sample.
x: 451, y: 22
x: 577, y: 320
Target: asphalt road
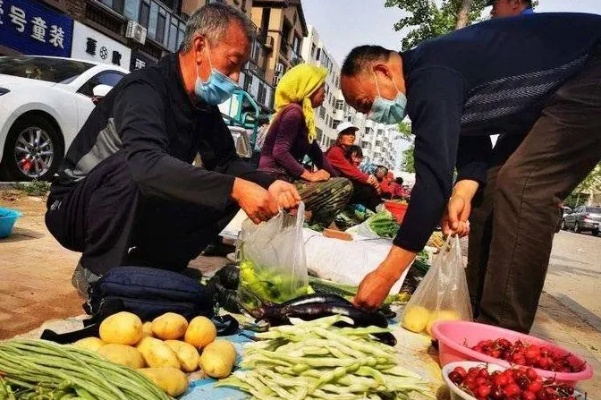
x: 574, y: 275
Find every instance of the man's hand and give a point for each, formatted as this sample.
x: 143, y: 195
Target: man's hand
x: 285, y: 194
x: 256, y: 202
x: 376, y: 285
x: 455, y: 218
x: 317, y: 176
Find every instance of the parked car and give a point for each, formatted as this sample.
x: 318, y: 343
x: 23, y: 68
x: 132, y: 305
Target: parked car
x: 44, y: 101
x: 584, y: 218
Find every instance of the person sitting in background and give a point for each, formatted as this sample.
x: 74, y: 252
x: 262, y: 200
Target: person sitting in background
x: 354, y: 154
x: 398, y: 190
x: 291, y: 137
x: 384, y: 179
x: 365, y: 186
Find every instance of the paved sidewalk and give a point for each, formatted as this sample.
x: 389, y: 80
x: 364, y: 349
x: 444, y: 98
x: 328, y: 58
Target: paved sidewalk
x: 36, y: 272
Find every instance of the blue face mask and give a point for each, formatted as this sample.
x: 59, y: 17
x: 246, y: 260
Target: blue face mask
x: 217, y: 89
x: 386, y: 111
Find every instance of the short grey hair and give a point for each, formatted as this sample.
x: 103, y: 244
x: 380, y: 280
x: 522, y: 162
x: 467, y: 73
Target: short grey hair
x: 212, y: 21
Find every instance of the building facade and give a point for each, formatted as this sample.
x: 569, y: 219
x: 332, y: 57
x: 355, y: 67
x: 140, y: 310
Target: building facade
x: 284, y: 26
x: 378, y: 141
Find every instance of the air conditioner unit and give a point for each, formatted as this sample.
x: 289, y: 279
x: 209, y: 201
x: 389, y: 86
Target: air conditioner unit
x: 269, y: 41
x: 276, y: 80
x: 136, y: 32
x: 279, y: 69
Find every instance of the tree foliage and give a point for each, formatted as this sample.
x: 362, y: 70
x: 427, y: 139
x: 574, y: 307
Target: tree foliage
x: 427, y: 19
x: 408, y: 163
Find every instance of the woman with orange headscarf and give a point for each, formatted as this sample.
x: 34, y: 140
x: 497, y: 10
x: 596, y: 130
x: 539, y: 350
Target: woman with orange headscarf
x: 291, y: 137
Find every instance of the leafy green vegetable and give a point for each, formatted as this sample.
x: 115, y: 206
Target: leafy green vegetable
x: 383, y: 224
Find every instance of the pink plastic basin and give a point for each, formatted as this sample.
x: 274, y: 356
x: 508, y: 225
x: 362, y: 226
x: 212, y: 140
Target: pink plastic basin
x: 456, y: 337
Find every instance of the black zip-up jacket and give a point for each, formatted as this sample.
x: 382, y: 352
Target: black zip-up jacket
x: 150, y: 117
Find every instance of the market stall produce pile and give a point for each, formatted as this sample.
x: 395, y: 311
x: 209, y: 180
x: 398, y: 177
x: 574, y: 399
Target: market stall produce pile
x: 317, y: 360
x: 36, y: 369
x: 129, y: 360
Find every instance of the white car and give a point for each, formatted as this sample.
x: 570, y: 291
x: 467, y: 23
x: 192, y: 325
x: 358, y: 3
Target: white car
x: 44, y: 101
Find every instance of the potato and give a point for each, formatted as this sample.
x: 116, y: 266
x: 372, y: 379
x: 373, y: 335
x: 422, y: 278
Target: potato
x: 147, y: 329
x: 201, y: 331
x: 157, y: 354
x: 123, y: 355
x: 121, y: 328
x: 90, y: 343
x: 218, y: 358
x: 169, y: 326
x: 441, y: 315
x: 187, y: 354
x: 415, y: 318
x: 171, y: 380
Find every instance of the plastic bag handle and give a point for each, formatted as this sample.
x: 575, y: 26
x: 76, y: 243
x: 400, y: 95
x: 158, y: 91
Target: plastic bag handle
x: 449, y: 246
x: 300, y: 218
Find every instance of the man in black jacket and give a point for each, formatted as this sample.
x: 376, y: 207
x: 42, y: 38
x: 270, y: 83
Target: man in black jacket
x: 127, y: 192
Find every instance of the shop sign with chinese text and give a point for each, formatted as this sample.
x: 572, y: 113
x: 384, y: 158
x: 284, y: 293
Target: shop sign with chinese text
x: 89, y: 44
x: 34, y: 29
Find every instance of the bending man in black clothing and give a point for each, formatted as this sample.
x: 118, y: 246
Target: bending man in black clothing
x: 127, y: 192
x: 532, y: 74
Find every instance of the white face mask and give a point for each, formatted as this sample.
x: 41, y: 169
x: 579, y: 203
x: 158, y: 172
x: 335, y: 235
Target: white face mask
x: 386, y: 111
x: 217, y: 89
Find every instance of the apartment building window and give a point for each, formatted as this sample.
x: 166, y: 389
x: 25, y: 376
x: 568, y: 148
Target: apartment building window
x: 162, y: 19
x: 262, y: 94
x: 131, y: 9
x: 322, y: 112
x: 296, y: 44
x: 319, y: 134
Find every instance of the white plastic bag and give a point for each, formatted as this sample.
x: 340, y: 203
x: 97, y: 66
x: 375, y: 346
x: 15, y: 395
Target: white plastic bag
x: 442, y: 294
x: 274, y: 265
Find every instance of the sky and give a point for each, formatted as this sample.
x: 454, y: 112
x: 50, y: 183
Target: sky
x: 344, y: 24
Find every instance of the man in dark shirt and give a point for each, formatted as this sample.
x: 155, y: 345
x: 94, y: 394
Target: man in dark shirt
x: 536, y: 74
x: 127, y: 192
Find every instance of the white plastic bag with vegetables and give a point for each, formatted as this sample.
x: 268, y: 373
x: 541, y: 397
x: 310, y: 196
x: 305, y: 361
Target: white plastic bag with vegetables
x: 442, y: 294
x: 273, y: 264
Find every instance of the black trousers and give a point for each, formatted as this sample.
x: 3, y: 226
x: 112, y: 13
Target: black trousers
x: 366, y: 195
x: 515, y: 221
x: 108, y: 220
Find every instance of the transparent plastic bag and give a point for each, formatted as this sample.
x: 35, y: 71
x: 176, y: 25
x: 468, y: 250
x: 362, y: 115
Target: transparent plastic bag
x: 273, y: 264
x: 442, y: 294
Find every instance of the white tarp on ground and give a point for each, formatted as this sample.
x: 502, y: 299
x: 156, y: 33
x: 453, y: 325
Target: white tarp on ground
x: 337, y: 260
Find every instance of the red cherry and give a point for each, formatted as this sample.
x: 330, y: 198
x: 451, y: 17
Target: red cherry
x: 535, y: 386
x: 497, y: 393
x: 531, y: 374
x: 483, y: 391
x: 455, y: 378
x: 528, y: 395
x: 483, y: 373
x: 461, y: 371
x: 544, y: 362
x: 511, y: 390
x: 501, y: 380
